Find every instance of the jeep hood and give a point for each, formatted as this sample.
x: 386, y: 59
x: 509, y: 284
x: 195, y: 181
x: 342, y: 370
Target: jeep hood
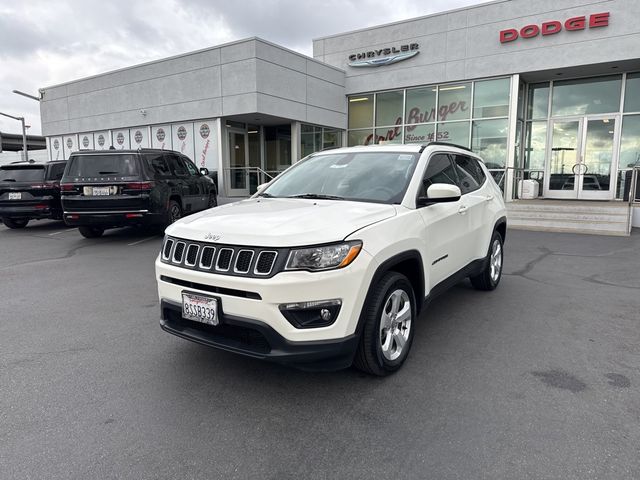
x: 280, y: 222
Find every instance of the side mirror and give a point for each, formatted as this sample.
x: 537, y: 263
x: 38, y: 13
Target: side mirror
x: 204, y: 171
x: 440, y: 193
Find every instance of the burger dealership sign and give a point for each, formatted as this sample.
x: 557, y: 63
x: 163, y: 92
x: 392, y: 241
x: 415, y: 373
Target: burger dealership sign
x: 555, y: 26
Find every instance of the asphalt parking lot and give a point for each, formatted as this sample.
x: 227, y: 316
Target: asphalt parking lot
x: 539, y: 379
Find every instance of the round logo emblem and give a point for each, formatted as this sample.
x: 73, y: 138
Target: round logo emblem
x: 101, y: 140
x: 204, y: 130
x: 85, y: 141
x: 56, y: 144
x: 69, y: 143
x: 138, y: 136
x: 160, y: 135
x: 120, y: 138
x: 182, y: 133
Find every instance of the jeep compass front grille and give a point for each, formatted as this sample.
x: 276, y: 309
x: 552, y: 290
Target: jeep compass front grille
x: 257, y: 262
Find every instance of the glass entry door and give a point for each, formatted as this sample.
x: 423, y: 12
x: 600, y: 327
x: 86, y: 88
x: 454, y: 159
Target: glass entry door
x: 581, y: 157
x: 238, y: 163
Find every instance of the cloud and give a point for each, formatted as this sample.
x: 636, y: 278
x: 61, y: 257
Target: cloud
x: 44, y: 43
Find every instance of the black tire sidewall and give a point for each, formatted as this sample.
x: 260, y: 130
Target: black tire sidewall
x: 173, y: 203
x: 496, y: 235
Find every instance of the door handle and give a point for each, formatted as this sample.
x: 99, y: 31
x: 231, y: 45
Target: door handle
x: 488, y: 198
x: 462, y: 210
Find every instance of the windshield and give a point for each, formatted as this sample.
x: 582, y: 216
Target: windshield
x: 22, y: 174
x: 100, y: 165
x: 363, y: 176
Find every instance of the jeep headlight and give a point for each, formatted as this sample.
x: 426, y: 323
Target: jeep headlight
x: 324, y: 257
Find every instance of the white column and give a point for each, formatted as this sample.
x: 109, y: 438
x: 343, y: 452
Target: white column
x: 511, y: 142
x: 295, y: 141
x: 222, y: 157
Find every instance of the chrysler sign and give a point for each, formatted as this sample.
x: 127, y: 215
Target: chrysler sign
x: 384, y: 56
x: 554, y: 26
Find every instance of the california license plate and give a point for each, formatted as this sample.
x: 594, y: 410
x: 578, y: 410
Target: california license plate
x: 101, y: 191
x: 15, y: 196
x: 200, y: 308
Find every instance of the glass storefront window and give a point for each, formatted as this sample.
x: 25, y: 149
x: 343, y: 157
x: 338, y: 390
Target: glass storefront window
x: 535, y: 145
x: 454, y: 102
x: 360, y: 137
x: 389, y: 108
x: 310, y: 139
x: 630, y: 142
x: 491, y: 98
x: 490, y: 141
x: 586, y: 96
x: 361, y: 111
x: 419, y: 133
x: 454, y: 132
x: 389, y: 135
x: 538, y: 101
x: 331, y: 138
x: 632, y: 93
x: 277, y: 141
x: 421, y: 105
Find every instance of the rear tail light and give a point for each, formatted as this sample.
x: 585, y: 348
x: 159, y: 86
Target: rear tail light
x: 133, y: 215
x: 139, y: 185
x: 38, y: 185
x: 41, y: 206
x: 67, y: 187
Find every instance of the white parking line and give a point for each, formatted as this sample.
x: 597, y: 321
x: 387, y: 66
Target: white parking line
x: 61, y: 231
x: 142, y: 241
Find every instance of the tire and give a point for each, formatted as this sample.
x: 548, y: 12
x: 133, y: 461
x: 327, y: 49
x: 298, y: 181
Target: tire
x: 91, y: 232
x: 174, y: 212
x: 372, y: 356
x: 213, y: 200
x: 489, y: 278
x: 15, y: 222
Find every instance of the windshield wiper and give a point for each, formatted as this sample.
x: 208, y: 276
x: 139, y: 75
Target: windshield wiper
x: 107, y: 173
x: 317, y: 196
x: 9, y: 180
x: 265, y: 195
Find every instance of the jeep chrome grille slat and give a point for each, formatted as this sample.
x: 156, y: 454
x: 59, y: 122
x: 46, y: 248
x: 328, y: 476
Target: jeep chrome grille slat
x: 221, y: 259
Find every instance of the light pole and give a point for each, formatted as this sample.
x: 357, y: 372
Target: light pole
x: 24, y: 133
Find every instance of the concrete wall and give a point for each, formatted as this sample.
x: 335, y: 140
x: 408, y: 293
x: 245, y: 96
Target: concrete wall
x: 242, y: 77
x: 464, y: 44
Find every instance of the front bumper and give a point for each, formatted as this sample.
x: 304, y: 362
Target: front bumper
x: 256, y: 339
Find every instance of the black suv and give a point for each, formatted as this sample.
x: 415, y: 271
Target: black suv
x: 30, y: 190
x: 145, y: 187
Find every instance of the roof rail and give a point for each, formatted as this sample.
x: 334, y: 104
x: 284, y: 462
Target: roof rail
x: 446, y: 144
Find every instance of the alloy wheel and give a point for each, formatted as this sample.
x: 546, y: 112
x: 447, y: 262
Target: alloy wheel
x: 395, y: 324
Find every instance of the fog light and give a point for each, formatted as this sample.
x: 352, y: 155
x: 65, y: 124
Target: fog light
x: 311, y: 314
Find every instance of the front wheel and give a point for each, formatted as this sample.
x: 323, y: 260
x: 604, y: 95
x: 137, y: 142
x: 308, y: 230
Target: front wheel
x: 490, y: 277
x: 388, y: 330
x: 91, y: 232
x: 15, y: 222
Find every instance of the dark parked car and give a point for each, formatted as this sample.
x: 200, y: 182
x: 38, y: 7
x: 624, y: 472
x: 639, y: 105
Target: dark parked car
x: 30, y: 190
x: 145, y: 187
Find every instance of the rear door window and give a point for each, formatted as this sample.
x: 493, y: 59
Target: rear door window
x: 159, y: 165
x: 177, y: 165
x: 22, y: 174
x: 120, y: 165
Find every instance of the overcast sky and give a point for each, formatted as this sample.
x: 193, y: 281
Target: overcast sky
x: 43, y: 43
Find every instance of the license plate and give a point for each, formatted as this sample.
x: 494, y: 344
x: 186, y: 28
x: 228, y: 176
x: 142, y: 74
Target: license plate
x: 101, y: 191
x: 200, y: 308
x: 15, y: 196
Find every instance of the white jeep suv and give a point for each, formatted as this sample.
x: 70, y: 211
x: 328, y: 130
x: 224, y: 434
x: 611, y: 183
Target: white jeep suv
x: 331, y: 263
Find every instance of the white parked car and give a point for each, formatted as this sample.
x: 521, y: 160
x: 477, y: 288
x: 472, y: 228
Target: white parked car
x: 331, y: 263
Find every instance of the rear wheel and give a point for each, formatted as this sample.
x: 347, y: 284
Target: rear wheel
x: 15, y: 222
x: 175, y: 211
x: 91, y: 232
x: 389, y: 326
x: 490, y: 277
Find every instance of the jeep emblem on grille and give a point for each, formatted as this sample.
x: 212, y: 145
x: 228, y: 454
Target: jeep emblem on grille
x: 211, y: 236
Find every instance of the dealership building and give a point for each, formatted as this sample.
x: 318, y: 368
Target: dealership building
x: 543, y: 90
